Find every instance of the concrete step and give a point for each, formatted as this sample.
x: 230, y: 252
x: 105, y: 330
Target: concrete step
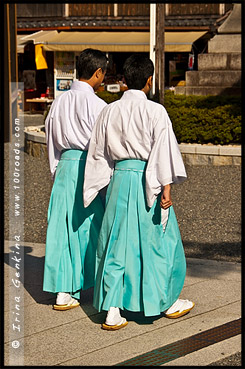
x: 222, y: 61
x: 207, y: 90
x: 213, y: 78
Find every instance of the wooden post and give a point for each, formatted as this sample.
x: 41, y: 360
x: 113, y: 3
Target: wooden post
x: 7, y: 76
x: 160, y: 57
x: 10, y: 69
x: 162, y: 54
x: 14, y: 59
x: 156, y: 97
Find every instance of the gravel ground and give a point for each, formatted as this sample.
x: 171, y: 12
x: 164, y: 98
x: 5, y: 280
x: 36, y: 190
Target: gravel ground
x: 233, y: 360
x: 207, y: 206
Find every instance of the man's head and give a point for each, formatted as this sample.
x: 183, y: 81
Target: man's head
x: 138, y: 71
x: 91, y: 66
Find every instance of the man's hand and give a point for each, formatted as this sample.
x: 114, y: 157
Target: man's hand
x: 166, y: 201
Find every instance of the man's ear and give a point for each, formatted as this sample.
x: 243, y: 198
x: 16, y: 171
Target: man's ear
x: 147, y: 86
x: 150, y: 81
x: 98, y: 72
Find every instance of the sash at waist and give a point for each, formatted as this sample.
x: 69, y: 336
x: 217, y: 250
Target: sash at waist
x: 71, y: 154
x: 131, y: 164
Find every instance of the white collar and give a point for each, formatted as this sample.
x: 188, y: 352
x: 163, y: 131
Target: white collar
x: 132, y: 94
x: 81, y: 86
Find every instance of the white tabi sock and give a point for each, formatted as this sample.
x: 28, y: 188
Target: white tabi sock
x: 113, y: 316
x: 63, y: 298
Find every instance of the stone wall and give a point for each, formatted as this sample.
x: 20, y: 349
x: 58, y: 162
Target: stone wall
x: 36, y: 149
x: 192, y: 154
x: 216, y: 160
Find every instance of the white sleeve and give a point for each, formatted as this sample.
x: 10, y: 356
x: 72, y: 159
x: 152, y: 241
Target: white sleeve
x: 99, y: 166
x: 165, y: 163
x: 53, y: 153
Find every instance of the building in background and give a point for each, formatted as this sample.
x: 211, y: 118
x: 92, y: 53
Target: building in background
x: 55, y: 34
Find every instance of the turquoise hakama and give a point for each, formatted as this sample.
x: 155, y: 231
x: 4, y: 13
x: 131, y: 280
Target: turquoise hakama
x: 140, y: 260
x: 140, y: 265
x: 73, y: 230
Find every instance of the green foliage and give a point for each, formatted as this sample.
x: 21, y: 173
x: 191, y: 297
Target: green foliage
x: 205, y: 119
x: 109, y: 97
x: 199, y: 119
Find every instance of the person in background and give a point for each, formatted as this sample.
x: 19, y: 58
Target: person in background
x: 140, y: 261
x: 73, y: 230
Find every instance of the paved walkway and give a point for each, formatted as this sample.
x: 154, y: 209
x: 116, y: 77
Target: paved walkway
x: 74, y: 337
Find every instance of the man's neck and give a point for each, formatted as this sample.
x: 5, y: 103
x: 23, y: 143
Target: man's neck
x: 88, y: 81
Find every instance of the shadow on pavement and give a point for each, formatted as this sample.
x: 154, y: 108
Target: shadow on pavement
x: 86, y: 302
x: 32, y: 278
x: 225, y: 251
x: 34, y: 267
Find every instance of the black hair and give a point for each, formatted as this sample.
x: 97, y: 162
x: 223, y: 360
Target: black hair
x: 89, y: 61
x: 137, y: 69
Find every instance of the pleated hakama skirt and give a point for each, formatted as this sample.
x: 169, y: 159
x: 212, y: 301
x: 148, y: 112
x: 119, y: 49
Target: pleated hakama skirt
x: 140, y: 264
x: 72, y: 232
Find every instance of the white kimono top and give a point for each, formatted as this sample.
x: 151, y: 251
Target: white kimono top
x: 133, y: 128
x: 70, y: 121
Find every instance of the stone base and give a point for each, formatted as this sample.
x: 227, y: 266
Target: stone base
x: 225, y: 44
x: 212, y: 82
x: 218, y: 160
x: 204, y: 91
x: 36, y: 149
x: 222, y: 61
x: 222, y: 78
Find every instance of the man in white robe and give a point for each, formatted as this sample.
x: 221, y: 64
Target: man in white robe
x: 72, y: 230
x: 134, y: 135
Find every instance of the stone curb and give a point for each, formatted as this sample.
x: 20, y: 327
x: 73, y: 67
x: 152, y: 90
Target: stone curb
x: 198, y: 154
x: 36, y: 134
x: 229, y: 150
x: 193, y: 154
x: 38, y: 137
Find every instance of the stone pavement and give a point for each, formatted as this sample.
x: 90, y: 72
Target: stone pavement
x: 74, y: 337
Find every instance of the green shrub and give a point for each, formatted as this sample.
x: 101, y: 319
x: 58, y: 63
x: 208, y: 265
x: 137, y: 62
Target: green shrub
x: 205, y: 119
x: 109, y: 97
x: 199, y: 119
